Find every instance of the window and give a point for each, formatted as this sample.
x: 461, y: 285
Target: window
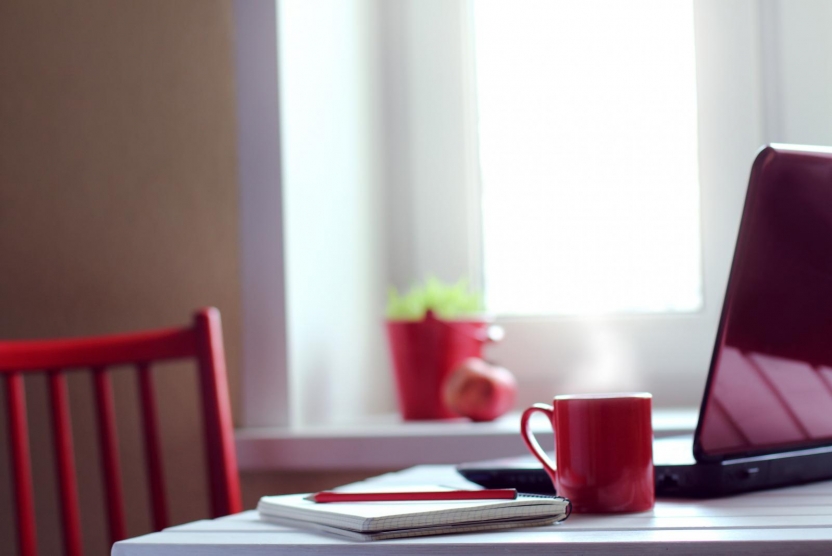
x: 588, y: 154
x: 655, y: 339
x: 379, y: 180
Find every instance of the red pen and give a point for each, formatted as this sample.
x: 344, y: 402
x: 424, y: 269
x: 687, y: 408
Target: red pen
x: 488, y: 494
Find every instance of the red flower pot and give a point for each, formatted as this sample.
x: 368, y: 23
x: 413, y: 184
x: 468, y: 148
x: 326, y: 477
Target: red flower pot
x: 424, y: 353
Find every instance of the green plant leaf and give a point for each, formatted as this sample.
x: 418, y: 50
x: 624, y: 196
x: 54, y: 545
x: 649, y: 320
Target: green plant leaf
x: 447, y: 301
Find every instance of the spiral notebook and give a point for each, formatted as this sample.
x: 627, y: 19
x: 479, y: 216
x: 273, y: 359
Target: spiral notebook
x: 369, y: 521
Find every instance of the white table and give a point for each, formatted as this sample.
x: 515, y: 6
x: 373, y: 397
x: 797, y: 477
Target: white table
x: 795, y: 520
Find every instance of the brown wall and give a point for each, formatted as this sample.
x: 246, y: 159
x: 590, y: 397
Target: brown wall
x: 118, y: 211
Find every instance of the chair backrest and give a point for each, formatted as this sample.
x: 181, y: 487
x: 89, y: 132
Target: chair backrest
x: 202, y: 342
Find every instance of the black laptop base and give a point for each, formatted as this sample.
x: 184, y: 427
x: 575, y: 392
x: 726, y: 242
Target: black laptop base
x: 532, y: 481
x: 708, y: 480
x: 700, y: 480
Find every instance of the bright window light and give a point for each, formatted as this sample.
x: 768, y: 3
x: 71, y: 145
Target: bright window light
x: 588, y: 153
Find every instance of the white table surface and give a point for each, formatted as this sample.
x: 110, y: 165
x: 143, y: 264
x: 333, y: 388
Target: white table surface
x: 794, y: 520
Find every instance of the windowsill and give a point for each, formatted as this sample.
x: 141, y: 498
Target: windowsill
x: 387, y: 442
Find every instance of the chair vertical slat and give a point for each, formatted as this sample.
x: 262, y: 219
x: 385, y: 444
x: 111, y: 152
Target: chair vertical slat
x: 216, y: 405
x: 65, y: 460
x: 108, y: 442
x: 21, y: 465
x: 211, y: 449
x: 152, y: 445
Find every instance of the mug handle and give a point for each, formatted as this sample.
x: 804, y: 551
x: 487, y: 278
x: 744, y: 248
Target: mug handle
x: 531, y: 442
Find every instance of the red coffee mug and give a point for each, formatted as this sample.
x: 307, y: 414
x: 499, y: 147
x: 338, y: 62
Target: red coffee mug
x: 603, y: 448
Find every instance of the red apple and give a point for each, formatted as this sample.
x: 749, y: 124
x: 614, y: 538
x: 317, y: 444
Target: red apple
x: 479, y: 390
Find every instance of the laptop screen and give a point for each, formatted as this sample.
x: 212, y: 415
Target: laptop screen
x: 770, y: 383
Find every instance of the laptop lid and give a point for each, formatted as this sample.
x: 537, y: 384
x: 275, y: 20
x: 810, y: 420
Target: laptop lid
x: 769, y: 386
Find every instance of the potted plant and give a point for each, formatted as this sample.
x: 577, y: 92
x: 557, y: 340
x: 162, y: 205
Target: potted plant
x: 434, y: 330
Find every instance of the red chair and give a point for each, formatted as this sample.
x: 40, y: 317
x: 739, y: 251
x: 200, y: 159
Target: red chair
x: 202, y: 341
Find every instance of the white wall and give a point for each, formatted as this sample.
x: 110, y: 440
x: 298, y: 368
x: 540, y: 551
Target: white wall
x: 429, y: 127
x: 333, y: 216
x: 805, y: 71
x: 265, y: 365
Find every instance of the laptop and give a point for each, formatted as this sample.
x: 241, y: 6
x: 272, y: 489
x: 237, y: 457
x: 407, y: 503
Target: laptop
x: 766, y: 414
